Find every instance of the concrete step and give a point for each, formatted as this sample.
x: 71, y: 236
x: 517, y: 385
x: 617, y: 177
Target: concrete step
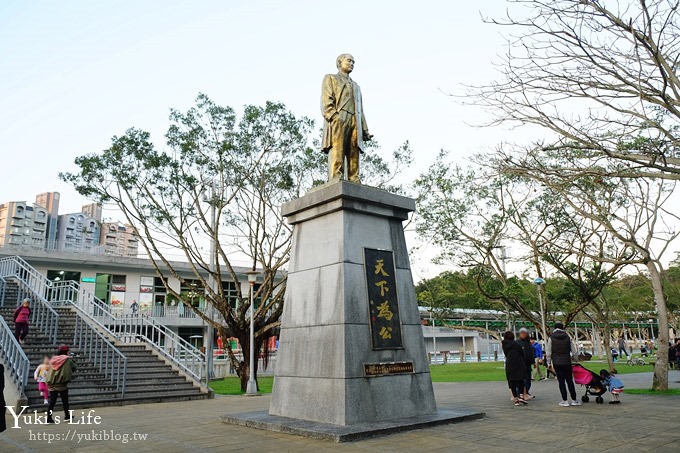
x: 149, y: 379
x: 144, y: 399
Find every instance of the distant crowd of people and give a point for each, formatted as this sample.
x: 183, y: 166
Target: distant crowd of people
x: 525, y: 358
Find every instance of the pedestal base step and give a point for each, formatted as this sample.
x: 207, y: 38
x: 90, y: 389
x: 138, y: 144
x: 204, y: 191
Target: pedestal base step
x: 340, y: 433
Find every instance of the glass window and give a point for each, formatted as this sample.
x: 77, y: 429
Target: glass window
x: 192, y: 292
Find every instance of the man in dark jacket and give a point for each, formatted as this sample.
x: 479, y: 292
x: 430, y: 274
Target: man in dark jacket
x: 515, y: 371
x: 559, y: 352
x: 525, y: 342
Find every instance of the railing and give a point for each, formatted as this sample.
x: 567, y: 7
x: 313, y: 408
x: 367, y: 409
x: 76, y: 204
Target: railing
x: 132, y: 328
x: 2, y: 291
x: 32, y: 285
x: 100, y: 351
x: 172, y: 311
x: 125, y: 328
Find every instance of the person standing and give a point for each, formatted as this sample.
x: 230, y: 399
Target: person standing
x: 538, y: 359
x: 515, y: 368
x: 22, y: 315
x: 622, y: 347
x: 671, y: 355
x: 528, y: 350
x: 62, y: 367
x: 559, y: 351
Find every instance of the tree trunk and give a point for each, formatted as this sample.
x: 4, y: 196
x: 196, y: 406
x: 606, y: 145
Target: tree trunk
x: 243, y: 371
x: 607, y: 345
x: 660, y: 381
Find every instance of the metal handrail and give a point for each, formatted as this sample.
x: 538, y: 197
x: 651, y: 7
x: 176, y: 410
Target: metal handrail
x: 32, y: 286
x: 14, y: 356
x: 131, y: 328
x: 100, y: 351
x: 168, y: 343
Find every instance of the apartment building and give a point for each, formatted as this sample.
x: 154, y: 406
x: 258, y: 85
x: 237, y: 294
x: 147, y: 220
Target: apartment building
x: 77, y: 232
x: 93, y: 210
x: 119, y: 239
x: 50, y: 201
x: 23, y: 225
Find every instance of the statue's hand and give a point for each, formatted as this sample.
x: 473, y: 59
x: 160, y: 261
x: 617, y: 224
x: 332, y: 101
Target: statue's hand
x: 368, y: 137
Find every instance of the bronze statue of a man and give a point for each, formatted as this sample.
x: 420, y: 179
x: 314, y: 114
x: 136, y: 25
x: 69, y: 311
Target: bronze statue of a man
x: 344, y: 129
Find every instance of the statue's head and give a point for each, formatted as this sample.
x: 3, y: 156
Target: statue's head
x: 345, y: 63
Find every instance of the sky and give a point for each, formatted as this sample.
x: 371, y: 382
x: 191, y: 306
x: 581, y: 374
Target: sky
x: 75, y: 73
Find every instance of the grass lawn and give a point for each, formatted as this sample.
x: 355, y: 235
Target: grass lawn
x: 232, y: 385
x: 652, y: 392
x: 459, y: 372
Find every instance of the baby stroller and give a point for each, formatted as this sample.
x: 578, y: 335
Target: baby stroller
x: 592, y: 381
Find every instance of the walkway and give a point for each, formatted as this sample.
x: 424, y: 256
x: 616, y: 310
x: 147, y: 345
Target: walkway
x: 641, y: 423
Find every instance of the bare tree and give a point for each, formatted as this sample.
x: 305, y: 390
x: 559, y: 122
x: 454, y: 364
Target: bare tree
x: 601, y: 77
x: 633, y: 211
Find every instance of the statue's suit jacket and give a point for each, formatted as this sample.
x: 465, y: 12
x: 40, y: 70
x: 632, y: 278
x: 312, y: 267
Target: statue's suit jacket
x: 335, y: 94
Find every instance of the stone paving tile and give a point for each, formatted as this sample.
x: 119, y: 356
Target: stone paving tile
x: 642, y: 423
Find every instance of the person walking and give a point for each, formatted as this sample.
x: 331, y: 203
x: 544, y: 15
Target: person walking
x: 62, y: 367
x: 22, y: 316
x: 40, y: 376
x: 515, y: 368
x: 622, y: 347
x: 538, y: 359
x: 559, y: 351
x: 528, y: 350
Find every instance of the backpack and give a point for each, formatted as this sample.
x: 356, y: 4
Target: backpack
x: 61, y: 376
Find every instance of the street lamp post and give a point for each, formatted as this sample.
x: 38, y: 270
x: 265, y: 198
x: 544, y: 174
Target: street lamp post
x: 434, y: 337
x: 251, y: 389
x: 539, y: 282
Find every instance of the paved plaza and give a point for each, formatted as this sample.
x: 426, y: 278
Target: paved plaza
x: 641, y: 423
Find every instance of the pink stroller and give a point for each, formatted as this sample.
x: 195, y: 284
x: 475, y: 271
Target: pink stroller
x: 591, y: 380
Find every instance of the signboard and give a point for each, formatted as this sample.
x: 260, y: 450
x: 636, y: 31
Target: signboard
x: 383, y: 369
x: 88, y: 279
x: 383, y: 301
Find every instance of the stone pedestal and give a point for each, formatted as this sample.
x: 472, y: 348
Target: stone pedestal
x: 351, y: 362
x: 326, y: 339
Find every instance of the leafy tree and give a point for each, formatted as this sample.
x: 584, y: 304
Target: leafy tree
x: 221, y: 180
x: 471, y: 212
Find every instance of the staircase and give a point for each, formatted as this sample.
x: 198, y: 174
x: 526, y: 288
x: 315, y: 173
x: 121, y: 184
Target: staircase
x: 148, y: 378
